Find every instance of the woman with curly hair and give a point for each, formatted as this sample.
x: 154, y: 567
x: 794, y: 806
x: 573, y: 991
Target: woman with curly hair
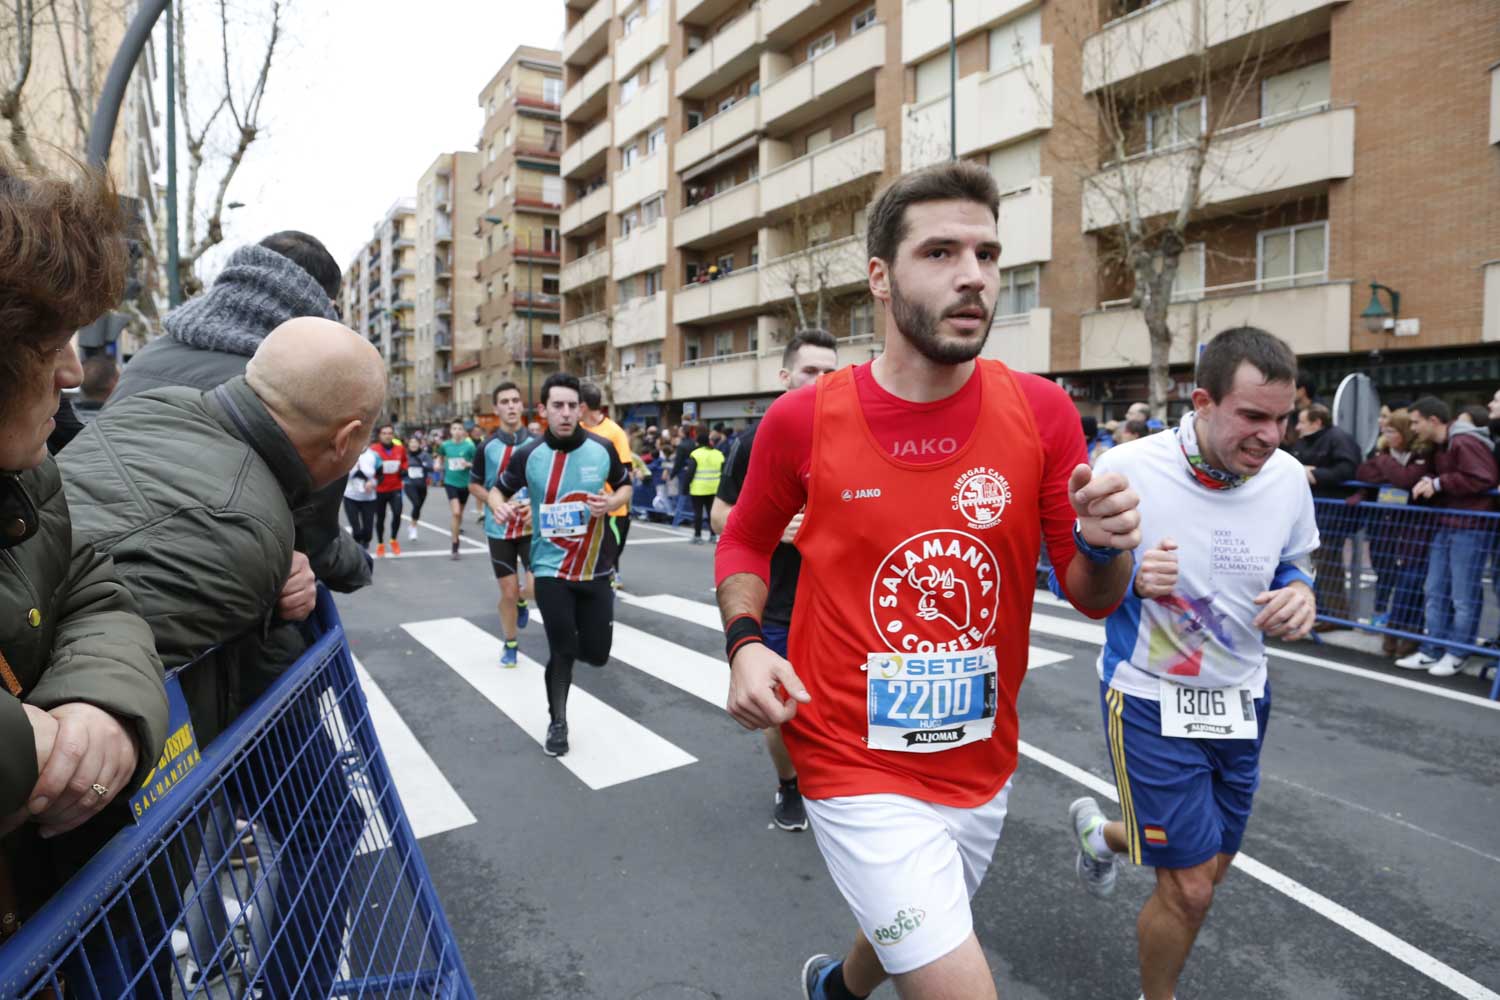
x: 1398, y: 539
x: 83, y: 713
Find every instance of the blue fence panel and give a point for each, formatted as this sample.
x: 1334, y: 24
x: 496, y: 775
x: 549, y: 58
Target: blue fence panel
x: 282, y: 865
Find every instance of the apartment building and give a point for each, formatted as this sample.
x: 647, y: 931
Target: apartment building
x: 448, y: 251
x: 520, y: 196
x: 719, y: 155
x: 378, y: 299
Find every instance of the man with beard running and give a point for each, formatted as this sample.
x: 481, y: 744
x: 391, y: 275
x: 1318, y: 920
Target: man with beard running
x: 510, y: 543
x: 393, y: 460
x: 1182, y: 677
x: 565, y: 472
x: 808, y: 354
x: 909, y: 635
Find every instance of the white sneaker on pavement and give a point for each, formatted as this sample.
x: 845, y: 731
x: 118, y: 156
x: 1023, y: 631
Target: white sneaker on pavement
x: 1446, y: 667
x: 1416, y: 661
x: 411, y: 533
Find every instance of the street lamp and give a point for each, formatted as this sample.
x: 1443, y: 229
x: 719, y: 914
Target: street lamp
x: 530, y: 311
x: 1376, y: 316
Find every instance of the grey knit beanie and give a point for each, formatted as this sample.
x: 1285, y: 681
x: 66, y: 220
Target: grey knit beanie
x: 257, y: 291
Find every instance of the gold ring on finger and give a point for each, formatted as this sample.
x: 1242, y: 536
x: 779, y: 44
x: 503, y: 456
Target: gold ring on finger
x: 99, y: 789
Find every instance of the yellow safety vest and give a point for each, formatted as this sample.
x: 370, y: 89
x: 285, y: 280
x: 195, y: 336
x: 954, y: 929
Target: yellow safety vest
x: 709, y: 465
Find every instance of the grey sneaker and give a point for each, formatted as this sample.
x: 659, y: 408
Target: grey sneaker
x: 1097, y: 874
x: 814, y: 971
x: 557, y: 739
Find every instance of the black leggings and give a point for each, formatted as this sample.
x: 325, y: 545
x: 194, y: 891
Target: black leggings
x: 622, y: 529
x: 701, y: 508
x: 417, y: 494
x: 361, y: 515
x: 579, y: 617
x: 388, y: 502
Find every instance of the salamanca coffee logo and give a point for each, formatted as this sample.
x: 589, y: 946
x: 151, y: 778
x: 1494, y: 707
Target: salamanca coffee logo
x: 936, y: 592
x: 981, y: 496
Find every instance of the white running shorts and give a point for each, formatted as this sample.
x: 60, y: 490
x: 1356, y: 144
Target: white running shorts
x: 908, y: 868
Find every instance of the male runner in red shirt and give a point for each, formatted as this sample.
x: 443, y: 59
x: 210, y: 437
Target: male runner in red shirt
x: 928, y: 480
x: 393, y: 463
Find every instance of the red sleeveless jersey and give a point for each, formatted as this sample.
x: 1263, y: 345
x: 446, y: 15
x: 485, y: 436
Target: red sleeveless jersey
x: 901, y: 559
x: 393, y: 464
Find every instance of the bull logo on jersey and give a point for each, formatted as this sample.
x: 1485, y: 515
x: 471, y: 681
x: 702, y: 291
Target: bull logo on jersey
x: 981, y: 496
x: 936, y: 592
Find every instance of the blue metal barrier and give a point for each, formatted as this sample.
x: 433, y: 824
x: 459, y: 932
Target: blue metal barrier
x: 282, y: 865
x: 1413, y: 572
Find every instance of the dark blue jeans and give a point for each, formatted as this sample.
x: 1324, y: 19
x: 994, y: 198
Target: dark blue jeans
x: 1455, y: 586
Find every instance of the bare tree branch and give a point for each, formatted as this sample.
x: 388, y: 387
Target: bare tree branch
x: 10, y: 100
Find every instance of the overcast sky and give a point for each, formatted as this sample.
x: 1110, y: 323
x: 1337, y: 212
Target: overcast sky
x: 368, y: 94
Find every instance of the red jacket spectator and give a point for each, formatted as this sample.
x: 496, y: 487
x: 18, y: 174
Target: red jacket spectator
x: 393, y: 463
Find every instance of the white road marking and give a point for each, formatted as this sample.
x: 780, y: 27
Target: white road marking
x: 472, y: 545
x: 633, y: 541
x: 448, y: 534
x: 1367, y: 931
x: 607, y: 746
x: 704, y: 677
x: 432, y: 804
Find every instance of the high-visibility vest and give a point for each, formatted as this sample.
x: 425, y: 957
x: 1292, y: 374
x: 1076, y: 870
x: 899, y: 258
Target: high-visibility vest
x: 709, y: 464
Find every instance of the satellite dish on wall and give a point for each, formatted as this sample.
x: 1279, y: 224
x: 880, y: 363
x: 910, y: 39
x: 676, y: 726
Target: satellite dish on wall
x: 1356, y: 409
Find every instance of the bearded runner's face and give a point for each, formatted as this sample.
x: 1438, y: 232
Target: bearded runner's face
x: 945, y: 279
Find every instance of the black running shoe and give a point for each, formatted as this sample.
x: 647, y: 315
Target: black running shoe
x: 789, y: 813
x: 557, y: 739
x: 814, y: 972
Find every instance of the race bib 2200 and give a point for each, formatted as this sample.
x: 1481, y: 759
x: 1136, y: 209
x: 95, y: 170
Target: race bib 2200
x: 930, y: 702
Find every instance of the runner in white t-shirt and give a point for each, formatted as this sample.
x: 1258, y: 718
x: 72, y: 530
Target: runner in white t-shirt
x: 1183, y: 671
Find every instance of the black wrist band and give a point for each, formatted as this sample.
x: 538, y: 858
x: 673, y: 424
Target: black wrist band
x: 741, y: 632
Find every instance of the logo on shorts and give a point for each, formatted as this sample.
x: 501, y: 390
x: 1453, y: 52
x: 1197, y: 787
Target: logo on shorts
x: 905, y: 923
x: 936, y: 592
x: 981, y: 495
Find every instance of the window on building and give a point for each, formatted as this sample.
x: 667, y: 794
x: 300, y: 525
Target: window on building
x: 490, y: 198
x: 659, y: 68
x: 1177, y: 125
x: 656, y: 140
x: 1017, y: 165
x: 1014, y: 41
x: 552, y: 189
x: 1018, y: 291
x: 490, y: 152
x: 651, y: 282
x: 628, y: 156
x: 694, y: 119
x: 692, y: 347
x: 627, y: 359
x: 862, y: 319
x: 723, y: 343
x: 725, y: 262
x: 632, y: 21
x: 550, y: 284
x: 863, y: 119
x: 551, y: 239
x: 817, y: 140
x: 508, y: 90
x: 552, y: 139
x: 932, y: 77
x: 1295, y: 255
x: 653, y: 357
x: 629, y: 222
x: 506, y: 138
x: 1188, y: 284
x: 552, y: 89
x: 507, y: 186
x: 863, y: 20
x: 628, y: 88
x: 859, y: 222
x: 819, y: 232
x: 652, y: 210
x: 728, y: 103
x: 1300, y: 90
x: 755, y: 256
x: 551, y: 334
x: 820, y: 46
x: 752, y: 338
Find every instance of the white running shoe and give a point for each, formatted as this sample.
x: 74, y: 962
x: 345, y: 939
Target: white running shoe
x: 1416, y: 661
x: 1097, y: 874
x: 411, y: 533
x: 1447, y: 666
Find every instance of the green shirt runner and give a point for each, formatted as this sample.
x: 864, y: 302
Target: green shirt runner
x: 458, y: 456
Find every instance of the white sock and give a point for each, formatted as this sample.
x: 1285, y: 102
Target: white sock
x: 1098, y: 844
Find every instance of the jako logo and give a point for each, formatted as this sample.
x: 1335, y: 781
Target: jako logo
x: 860, y: 495
x: 905, y: 922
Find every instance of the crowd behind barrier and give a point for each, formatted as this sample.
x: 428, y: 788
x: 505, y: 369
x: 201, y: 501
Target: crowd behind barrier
x: 306, y: 879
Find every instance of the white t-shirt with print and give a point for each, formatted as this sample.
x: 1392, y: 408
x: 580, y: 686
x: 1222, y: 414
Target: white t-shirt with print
x: 1232, y: 545
x: 363, y: 489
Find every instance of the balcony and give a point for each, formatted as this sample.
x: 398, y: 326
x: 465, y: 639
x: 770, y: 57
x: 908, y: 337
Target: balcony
x: 735, y: 294
x: 718, y: 135
x: 724, y: 216
x: 924, y: 23
x: 784, y: 21
x: 837, y: 76
x: 747, y: 374
x: 643, y: 250
x: 642, y: 111
x: 402, y: 242
x: 640, y: 320
x: 827, y: 169
x: 649, y: 37
x: 702, y: 12
x: 585, y: 331
x: 400, y: 333
x: 637, y: 385
x: 402, y: 305
x: 721, y: 60
x: 535, y: 199
x: 841, y: 265
x: 442, y: 379
x: 590, y: 35
x: 442, y: 307
x: 444, y: 233
x: 585, y: 270
x: 1259, y: 162
x: 1312, y: 318
x: 1157, y: 37
x: 646, y: 177
x: 1023, y: 341
x: 587, y: 155
x: 442, y: 342
x: 403, y: 271
x: 993, y: 109
x: 1026, y: 224
x: 535, y: 303
x: 585, y: 99
x: 592, y: 206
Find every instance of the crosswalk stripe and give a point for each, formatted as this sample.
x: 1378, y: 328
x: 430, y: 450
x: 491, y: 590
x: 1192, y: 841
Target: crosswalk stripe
x: 701, y: 676
x: 608, y: 747
x: 432, y: 804
x: 708, y: 616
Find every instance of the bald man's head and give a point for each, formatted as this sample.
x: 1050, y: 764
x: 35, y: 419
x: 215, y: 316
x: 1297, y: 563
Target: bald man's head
x: 325, y: 385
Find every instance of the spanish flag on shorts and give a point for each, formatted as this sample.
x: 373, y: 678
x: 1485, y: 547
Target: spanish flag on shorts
x: 1155, y: 835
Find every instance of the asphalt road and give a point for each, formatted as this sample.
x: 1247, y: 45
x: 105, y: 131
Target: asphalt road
x: 643, y: 865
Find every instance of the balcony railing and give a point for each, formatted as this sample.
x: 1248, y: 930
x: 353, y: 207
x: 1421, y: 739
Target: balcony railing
x: 442, y: 342
x: 719, y: 359
x: 536, y: 301
x: 443, y: 307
